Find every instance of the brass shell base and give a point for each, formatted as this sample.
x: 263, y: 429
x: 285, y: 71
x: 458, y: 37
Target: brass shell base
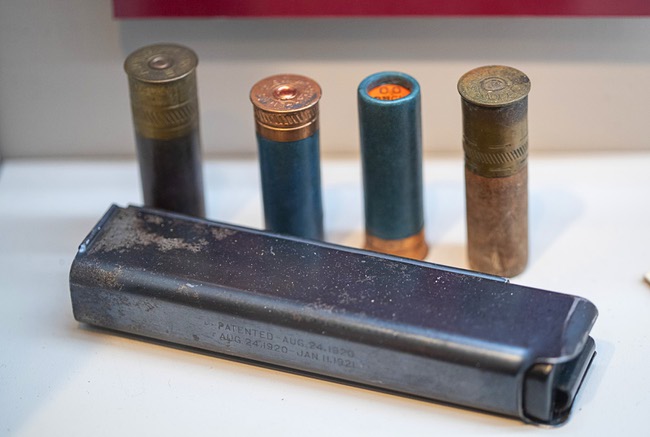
x: 414, y: 247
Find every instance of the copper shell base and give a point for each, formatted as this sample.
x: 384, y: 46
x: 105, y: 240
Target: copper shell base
x: 414, y: 247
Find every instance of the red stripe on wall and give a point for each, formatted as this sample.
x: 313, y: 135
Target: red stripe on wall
x: 380, y: 8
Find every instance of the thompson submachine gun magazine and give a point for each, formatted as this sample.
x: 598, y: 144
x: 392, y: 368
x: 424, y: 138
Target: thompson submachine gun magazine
x: 377, y: 320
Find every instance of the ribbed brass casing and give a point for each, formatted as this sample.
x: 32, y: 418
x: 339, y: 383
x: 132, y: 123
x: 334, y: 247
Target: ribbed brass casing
x: 162, y: 85
x: 286, y: 107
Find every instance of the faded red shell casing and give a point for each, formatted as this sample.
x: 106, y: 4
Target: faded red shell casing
x: 495, y: 143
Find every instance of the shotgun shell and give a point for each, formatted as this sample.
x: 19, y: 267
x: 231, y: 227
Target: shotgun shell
x: 495, y: 142
x: 391, y: 153
x: 286, y: 121
x: 164, y: 103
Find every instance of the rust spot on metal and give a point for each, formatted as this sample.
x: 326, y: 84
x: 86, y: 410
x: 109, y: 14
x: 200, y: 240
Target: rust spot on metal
x: 124, y: 236
x: 222, y: 233
x: 188, y: 290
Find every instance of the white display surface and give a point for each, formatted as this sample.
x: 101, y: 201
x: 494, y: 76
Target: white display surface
x: 590, y: 236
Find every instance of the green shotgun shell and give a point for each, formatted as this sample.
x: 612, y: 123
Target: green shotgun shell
x: 390, y: 131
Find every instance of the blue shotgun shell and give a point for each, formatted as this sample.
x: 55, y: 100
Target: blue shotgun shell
x: 391, y: 152
x: 286, y: 121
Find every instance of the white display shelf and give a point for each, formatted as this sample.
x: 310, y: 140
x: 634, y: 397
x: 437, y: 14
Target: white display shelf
x: 589, y: 234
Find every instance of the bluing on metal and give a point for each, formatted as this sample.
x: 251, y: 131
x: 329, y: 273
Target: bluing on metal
x: 400, y: 325
x: 391, y: 152
x: 291, y: 186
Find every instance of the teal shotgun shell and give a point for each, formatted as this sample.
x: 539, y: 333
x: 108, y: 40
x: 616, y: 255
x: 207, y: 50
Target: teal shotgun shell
x: 286, y: 123
x: 495, y: 141
x: 391, y: 152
